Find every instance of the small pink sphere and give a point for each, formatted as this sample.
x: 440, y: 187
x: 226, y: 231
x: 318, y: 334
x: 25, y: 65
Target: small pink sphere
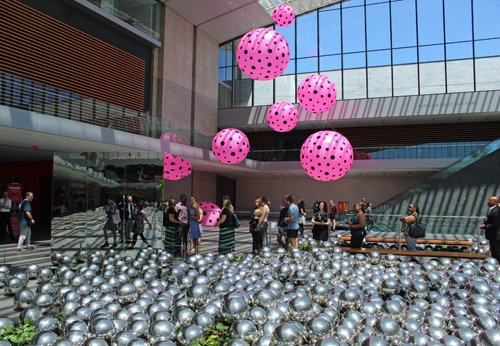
x: 282, y: 116
x: 263, y: 54
x: 175, y: 168
x: 317, y: 93
x: 211, y: 213
x: 230, y: 146
x: 175, y: 137
x: 326, y: 155
x: 283, y: 15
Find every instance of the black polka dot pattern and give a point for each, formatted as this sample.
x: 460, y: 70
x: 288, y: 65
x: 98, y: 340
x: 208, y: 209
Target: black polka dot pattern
x: 282, y: 116
x: 211, y: 213
x: 283, y: 16
x: 175, y: 168
x: 230, y: 146
x: 175, y: 137
x: 317, y: 93
x: 263, y: 54
x: 326, y: 155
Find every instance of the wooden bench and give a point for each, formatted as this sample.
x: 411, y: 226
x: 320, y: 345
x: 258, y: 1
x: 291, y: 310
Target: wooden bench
x: 419, y: 241
x: 450, y: 254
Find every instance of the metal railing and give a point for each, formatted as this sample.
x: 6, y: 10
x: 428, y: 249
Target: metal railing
x: 25, y: 94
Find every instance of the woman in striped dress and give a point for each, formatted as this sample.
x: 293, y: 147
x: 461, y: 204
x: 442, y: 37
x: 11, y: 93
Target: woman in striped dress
x: 226, y: 226
x: 172, y: 239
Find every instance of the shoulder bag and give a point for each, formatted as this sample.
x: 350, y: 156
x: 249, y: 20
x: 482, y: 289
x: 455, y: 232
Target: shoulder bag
x: 236, y: 222
x: 417, y: 230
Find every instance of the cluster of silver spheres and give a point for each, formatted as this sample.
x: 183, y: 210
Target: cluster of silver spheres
x: 323, y: 297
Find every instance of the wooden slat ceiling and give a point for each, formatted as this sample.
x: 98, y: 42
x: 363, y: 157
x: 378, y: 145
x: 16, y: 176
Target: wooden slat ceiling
x: 388, y: 135
x: 40, y: 48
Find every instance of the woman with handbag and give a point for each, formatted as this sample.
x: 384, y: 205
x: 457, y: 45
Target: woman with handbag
x: 321, y: 222
x: 254, y: 220
x: 226, y: 229
x: 357, y: 227
x: 407, y: 220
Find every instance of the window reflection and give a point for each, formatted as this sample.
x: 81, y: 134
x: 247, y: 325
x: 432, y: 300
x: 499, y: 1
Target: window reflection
x: 378, y: 27
x: 353, y: 29
x: 430, y: 22
x: 307, y: 35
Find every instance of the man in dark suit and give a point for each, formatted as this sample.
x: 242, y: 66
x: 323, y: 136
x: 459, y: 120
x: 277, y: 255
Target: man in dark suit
x: 492, y: 227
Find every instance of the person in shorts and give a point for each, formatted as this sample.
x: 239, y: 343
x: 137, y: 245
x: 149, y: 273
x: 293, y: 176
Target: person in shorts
x: 292, y: 220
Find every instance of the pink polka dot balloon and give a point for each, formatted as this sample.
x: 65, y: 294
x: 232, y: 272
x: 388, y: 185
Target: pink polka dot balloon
x: 282, y: 116
x: 211, y: 213
x: 263, y: 54
x: 175, y: 137
x: 230, y: 146
x: 175, y: 168
x: 326, y: 155
x: 317, y: 93
x: 283, y: 16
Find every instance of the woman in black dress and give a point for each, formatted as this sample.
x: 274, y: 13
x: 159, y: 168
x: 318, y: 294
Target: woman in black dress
x: 172, y: 239
x: 254, y: 220
x: 226, y: 226
x: 321, y: 222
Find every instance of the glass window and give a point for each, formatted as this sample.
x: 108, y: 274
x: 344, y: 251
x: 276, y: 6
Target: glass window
x: 286, y: 89
x: 404, y: 56
x: 222, y: 55
x: 329, y: 63
x: 329, y: 32
x: 432, y: 78
x: 378, y: 30
x: 229, y: 54
x: 353, y: 3
x: 336, y: 77
x: 431, y: 53
x: 27, y: 91
x: 458, y: 20
x: 460, y: 76
x: 486, y: 19
x: 459, y: 51
x: 379, y: 58
x: 355, y: 84
x: 405, y: 80
x: 307, y: 35
x: 353, y: 29
x: 430, y: 22
x: 242, y: 89
x: 289, y: 35
x: 485, y: 80
x: 290, y: 68
x: 354, y: 60
x: 264, y: 92
x: 368, y: 2
x: 307, y: 65
x: 487, y: 48
x: 379, y: 82
x: 404, y: 27
x: 222, y: 74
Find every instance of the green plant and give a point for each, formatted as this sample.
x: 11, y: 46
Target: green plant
x: 239, y: 258
x: 307, y: 247
x: 21, y: 335
x: 217, y: 336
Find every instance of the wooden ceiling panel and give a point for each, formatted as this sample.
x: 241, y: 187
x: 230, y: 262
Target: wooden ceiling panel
x: 45, y: 50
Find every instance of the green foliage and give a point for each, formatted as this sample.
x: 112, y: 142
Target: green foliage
x: 18, y: 336
x: 307, y: 247
x: 59, y: 317
x: 159, y: 187
x: 217, y: 336
x: 239, y: 258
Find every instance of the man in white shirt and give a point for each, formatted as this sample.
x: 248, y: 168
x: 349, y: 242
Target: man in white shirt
x: 5, y: 207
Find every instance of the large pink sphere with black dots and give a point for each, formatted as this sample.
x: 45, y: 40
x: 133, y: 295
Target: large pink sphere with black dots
x: 211, y: 213
x: 175, y: 168
x: 282, y: 116
x: 283, y: 15
x: 263, y: 54
x: 326, y: 155
x: 230, y: 146
x: 317, y: 93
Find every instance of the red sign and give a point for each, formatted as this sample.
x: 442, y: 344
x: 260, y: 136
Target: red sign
x: 341, y: 206
x: 15, y: 192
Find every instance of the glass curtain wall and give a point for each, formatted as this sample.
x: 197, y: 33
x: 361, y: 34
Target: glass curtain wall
x: 83, y: 183
x: 379, y: 48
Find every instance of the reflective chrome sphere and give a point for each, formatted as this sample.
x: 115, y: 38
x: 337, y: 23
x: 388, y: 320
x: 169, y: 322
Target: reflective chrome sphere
x: 23, y: 298
x: 77, y: 337
x: 189, y: 334
x: 287, y: 334
x: 45, y: 323
x: 46, y: 338
x: 43, y: 301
